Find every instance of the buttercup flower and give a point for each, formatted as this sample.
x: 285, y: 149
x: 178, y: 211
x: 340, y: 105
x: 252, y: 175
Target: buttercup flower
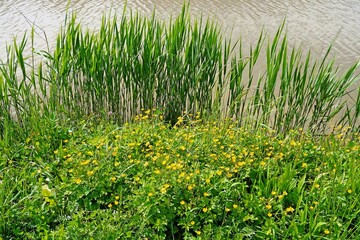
x: 289, y: 209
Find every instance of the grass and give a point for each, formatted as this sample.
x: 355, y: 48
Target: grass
x: 133, y: 63
x: 92, y: 179
x: 81, y: 158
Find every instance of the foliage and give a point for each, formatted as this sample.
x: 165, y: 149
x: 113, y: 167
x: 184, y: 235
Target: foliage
x: 196, y: 180
x: 134, y: 62
x: 80, y: 158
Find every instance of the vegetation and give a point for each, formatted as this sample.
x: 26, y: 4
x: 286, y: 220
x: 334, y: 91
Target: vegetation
x: 220, y: 153
x: 93, y: 179
x: 134, y: 62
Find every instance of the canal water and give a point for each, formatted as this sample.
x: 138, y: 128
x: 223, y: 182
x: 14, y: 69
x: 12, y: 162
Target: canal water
x: 313, y: 24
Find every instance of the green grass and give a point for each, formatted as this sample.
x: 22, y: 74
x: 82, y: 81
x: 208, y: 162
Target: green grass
x: 94, y: 179
x: 133, y: 63
x: 81, y: 158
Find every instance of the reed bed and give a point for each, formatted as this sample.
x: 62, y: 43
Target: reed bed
x: 133, y: 63
x: 73, y: 167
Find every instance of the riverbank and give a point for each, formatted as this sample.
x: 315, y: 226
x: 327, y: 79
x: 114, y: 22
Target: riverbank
x: 82, y: 158
x: 93, y: 179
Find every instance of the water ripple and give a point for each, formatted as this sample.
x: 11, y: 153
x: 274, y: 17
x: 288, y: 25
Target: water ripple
x: 312, y: 23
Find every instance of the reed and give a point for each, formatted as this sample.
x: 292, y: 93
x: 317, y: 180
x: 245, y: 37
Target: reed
x: 133, y: 63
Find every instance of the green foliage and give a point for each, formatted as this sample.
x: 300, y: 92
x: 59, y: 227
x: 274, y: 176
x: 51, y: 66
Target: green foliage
x: 80, y: 158
x: 133, y: 63
x: 93, y: 179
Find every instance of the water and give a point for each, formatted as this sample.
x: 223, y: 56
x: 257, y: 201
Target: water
x: 311, y: 24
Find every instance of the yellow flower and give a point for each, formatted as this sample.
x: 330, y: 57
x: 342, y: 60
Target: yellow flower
x: 316, y: 185
x: 206, y: 194
x: 273, y: 193
x: 235, y: 206
x: 86, y: 162
x: 110, y: 205
x: 113, y: 179
x: 205, y: 210
x: 207, y: 180
x: 289, y: 209
x: 116, y: 164
x: 116, y: 202
x: 182, y: 202
x: 349, y: 191
x: 241, y: 164
x: 89, y: 173
x: 268, y: 206
x: 192, y: 223
x: 227, y: 209
x: 326, y: 231
x: 180, y: 120
x: 157, y: 171
x: 190, y: 187
x: 198, y: 232
x: 269, y: 214
x: 117, y: 197
x: 150, y: 194
x: 78, y: 181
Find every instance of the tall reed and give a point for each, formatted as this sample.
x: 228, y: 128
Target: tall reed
x: 133, y: 63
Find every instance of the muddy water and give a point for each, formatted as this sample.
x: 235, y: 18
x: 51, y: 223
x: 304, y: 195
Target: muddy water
x: 312, y: 24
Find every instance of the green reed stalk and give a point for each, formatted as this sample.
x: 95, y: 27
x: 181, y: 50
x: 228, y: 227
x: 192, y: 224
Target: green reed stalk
x: 132, y: 63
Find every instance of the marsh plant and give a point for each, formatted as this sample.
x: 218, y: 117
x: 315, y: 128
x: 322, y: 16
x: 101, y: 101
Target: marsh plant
x: 133, y: 63
x: 152, y: 130
x: 91, y: 179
